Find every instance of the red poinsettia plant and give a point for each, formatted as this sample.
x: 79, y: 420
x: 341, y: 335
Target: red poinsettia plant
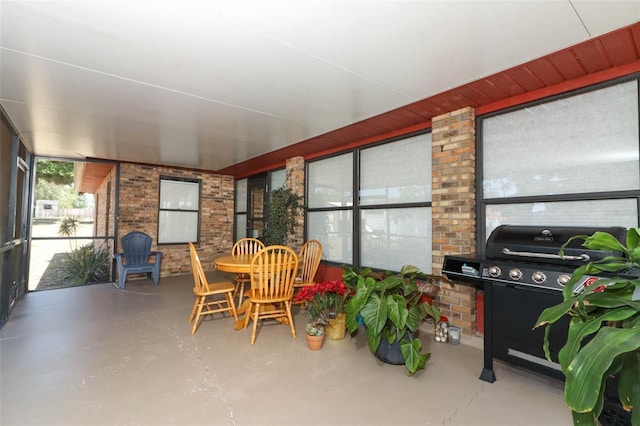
x: 324, y: 301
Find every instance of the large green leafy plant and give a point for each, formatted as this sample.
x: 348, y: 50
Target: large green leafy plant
x: 390, y: 309
x: 603, y: 337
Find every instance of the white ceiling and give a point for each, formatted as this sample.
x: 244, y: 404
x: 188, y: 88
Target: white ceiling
x: 208, y: 84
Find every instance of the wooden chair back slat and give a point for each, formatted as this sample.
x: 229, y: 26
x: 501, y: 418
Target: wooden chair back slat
x: 273, y: 273
x: 247, y: 246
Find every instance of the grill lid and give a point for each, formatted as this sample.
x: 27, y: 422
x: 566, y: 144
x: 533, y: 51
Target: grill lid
x: 542, y: 244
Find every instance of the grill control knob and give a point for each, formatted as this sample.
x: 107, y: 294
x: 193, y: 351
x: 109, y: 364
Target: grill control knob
x: 515, y: 274
x: 538, y: 277
x: 563, y: 280
x: 494, y: 271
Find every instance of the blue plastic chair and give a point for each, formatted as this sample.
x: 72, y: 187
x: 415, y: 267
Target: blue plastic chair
x: 135, y: 258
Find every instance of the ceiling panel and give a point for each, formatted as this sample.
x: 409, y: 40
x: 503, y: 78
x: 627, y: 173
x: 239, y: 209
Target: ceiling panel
x: 221, y: 85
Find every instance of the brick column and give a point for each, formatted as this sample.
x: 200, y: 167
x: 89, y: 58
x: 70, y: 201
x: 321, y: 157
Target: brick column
x: 454, y: 208
x: 295, y: 181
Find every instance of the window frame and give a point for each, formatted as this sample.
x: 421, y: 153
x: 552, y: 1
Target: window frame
x: 483, y: 203
x: 196, y: 211
x: 356, y: 208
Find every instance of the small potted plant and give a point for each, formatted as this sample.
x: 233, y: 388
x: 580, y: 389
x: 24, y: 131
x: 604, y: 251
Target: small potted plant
x: 389, y: 306
x: 315, y: 335
x: 603, y: 337
x: 326, y: 303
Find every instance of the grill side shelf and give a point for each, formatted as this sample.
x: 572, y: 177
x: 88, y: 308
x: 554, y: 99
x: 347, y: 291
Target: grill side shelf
x: 466, y: 269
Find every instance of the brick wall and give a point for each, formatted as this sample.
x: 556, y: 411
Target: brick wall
x: 454, y: 208
x: 138, y: 211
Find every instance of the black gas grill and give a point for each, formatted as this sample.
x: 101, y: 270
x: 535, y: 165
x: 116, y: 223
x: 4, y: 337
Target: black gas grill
x: 521, y: 275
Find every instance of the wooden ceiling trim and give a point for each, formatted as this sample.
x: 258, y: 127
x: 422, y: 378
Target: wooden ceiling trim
x: 593, y: 59
x: 506, y: 83
x: 524, y: 79
x: 490, y: 90
x: 635, y: 36
x: 426, y: 108
x: 564, y: 87
x: 620, y: 48
x: 408, y: 115
x: 546, y: 72
x: 567, y: 63
x: 475, y: 96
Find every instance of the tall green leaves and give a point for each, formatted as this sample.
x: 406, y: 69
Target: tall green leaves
x: 603, y: 337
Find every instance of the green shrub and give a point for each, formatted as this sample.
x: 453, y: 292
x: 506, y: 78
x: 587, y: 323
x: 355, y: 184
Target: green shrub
x: 87, y: 264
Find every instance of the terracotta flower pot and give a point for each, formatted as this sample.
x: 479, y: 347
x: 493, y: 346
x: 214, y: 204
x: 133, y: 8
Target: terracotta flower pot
x: 315, y: 342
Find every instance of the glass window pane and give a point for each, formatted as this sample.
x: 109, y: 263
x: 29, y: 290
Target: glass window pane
x: 334, y: 230
x: 241, y: 195
x: 177, y: 227
x: 597, y: 213
x: 584, y: 143
x: 179, y: 195
x: 396, y: 172
x: 241, y: 226
x: 331, y: 182
x: 278, y: 178
x: 391, y: 238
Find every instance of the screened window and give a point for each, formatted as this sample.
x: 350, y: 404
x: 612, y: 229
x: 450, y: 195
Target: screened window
x: 570, y: 161
x: 388, y: 224
x: 398, y: 172
x: 277, y: 179
x: 330, y: 204
x: 330, y: 182
x: 179, y: 214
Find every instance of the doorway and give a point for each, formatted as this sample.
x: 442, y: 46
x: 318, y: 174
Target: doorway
x: 257, y: 195
x: 72, y: 226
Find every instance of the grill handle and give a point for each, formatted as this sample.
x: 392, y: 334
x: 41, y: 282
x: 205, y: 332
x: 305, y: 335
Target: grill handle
x: 584, y: 257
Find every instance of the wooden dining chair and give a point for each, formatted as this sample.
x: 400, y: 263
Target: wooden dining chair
x: 309, y: 258
x: 272, y: 278
x: 244, y: 246
x: 206, y: 301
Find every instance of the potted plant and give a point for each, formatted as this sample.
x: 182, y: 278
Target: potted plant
x: 603, y: 337
x: 326, y: 303
x: 388, y: 305
x: 315, y: 335
x: 284, y: 206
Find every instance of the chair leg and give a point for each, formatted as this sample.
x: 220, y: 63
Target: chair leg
x: 121, y: 279
x: 193, y: 311
x: 197, y: 320
x: 232, y: 305
x: 240, y: 283
x: 255, y: 322
x: 287, y: 306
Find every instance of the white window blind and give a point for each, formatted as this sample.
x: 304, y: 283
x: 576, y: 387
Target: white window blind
x: 583, y: 143
x: 397, y: 172
x: 331, y: 182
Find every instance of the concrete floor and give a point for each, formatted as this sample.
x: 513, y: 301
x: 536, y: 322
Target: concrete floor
x: 96, y: 355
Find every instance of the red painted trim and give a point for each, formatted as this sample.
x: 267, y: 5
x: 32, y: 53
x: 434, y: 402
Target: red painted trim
x: 567, y: 86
